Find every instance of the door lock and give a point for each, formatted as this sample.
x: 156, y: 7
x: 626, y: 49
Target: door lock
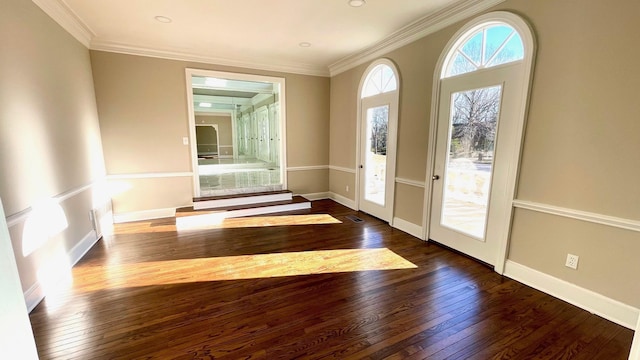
x: 435, y: 177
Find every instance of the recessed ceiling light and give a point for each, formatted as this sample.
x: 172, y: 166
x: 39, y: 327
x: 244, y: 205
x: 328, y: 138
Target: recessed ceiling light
x: 305, y: 44
x: 357, y: 3
x: 163, y: 19
x: 205, y: 104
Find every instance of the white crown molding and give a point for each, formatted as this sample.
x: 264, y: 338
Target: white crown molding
x: 414, y: 31
x: 65, y: 17
x: 621, y: 223
x: 172, y: 54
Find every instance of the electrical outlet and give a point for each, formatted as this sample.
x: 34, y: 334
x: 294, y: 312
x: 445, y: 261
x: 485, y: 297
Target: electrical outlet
x: 572, y: 261
x: 185, y: 141
x: 347, y: 188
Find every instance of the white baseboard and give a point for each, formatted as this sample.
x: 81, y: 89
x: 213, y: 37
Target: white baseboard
x: 35, y: 294
x: 316, y: 196
x: 593, y: 302
x: 635, y: 345
x: 408, y: 227
x: 196, y: 221
x: 343, y: 200
x: 237, y: 201
x: 144, y: 215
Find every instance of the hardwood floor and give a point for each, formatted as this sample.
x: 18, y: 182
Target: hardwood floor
x: 306, y: 286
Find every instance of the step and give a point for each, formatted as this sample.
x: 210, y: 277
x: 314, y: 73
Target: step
x: 189, y: 217
x: 224, y: 201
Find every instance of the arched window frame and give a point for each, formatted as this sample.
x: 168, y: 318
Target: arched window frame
x: 528, y: 40
x: 467, y: 36
x: 393, y: 129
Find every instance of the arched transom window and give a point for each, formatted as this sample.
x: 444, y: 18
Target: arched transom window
x: 381, y: 79
x: 490, y: 45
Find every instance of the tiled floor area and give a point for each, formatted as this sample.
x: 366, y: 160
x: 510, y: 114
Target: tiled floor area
x: 233, y: 176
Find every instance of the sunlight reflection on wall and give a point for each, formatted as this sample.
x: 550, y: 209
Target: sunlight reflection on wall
x: 46, y: 220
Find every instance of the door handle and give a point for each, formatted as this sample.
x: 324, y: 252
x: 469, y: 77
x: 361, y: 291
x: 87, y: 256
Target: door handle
x: 435, y: 177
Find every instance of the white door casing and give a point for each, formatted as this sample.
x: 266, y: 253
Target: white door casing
x: 511, y: 157
x: 389, y: 98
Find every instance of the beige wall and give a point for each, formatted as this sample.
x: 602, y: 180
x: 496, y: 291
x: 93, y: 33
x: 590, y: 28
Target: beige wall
x: 580, y: 147
x: 49, y: 133
x: 225, y: 133
x: 308, y: 181
x: 142, y: 105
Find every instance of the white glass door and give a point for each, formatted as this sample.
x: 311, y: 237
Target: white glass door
x: 376, y: 156
x: 468, y: 171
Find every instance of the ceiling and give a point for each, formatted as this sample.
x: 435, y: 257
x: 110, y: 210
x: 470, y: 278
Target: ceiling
x: 256, y: 33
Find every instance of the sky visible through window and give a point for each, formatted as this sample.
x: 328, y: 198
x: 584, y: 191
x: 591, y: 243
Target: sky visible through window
x: 489, y: 46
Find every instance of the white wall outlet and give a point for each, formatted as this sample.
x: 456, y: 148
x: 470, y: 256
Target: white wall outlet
x: 185, y: 141
x: 572, y: 261
x: 347, y: 188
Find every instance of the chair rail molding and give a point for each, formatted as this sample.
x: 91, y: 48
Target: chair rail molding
x: 622, y: 223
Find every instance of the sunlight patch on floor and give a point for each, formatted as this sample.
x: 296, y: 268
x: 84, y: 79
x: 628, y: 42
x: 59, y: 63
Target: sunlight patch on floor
x: 93, y: 278
x: 200, y: 222
x: 211, y: 221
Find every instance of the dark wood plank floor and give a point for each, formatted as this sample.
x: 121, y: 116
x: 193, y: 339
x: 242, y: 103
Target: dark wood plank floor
x: 151, y: 292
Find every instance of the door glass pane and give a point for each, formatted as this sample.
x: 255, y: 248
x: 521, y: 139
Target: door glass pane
x: 472, y: 131
x: 376, y: 154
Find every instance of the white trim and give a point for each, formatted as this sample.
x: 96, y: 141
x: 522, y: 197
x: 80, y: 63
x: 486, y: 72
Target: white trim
x: 316, y: 196
x: 307, y: 168
x: 35, y: 294
x: 281, y: 81
x: 414, y: 31
x: 408, y: 227
x: 149, y: 175
x: 144, y: 215
x: 343, y: 169
x: 342, y: 200
x: 410, y: 182
x: 67, y: 19
x: 177, y: 54
x: 595, y: 218
x: 528, y: 39
x: 189, y: 222
x: 392, y: 99
x: 245, y: 200
x: 21, y: 216
x: 591, y: 301
x: 635, y: 345
x: 225, y: 146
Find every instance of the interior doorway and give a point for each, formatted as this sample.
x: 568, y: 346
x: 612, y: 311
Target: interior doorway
x: 245, y: 111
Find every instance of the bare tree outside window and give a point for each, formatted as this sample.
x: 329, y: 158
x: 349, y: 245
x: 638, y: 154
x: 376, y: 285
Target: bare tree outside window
x: 379, y: 130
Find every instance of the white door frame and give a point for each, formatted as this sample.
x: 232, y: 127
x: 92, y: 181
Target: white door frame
x: 392, y: 130
x: 527, y: 75
x: 189, y: 72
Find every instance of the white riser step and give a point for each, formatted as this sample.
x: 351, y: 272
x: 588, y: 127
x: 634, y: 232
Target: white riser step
x: 195, y: 221
x: 258, y: 199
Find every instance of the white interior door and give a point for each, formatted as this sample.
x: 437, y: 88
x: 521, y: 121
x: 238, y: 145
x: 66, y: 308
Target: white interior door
x: 476, y: 137
x: 377, y: 155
